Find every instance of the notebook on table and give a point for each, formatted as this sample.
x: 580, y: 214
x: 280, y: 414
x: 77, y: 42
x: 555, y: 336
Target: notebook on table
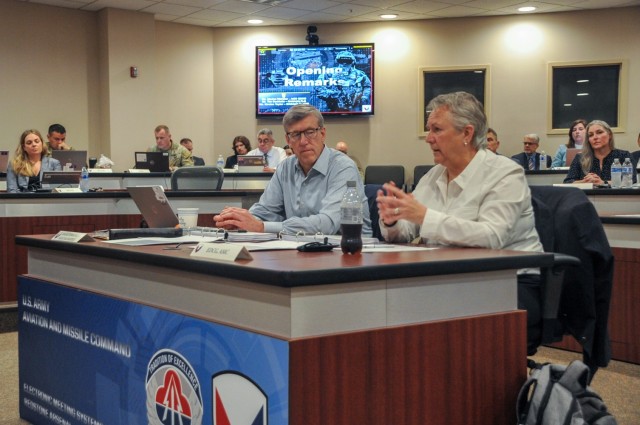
x: 4, y: 161
x: 153, y: 205
x: 250, y: 163
x: 152, y: 161
x: 71, y: 160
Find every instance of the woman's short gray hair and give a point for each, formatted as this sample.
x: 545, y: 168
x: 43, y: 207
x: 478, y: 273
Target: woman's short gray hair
x: 465, y: 110
x: 298, y: 113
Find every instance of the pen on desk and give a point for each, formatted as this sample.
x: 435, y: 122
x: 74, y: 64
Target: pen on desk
x: 236, y: 231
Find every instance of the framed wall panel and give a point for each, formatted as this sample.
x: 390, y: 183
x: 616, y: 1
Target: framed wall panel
x: 587, y: 90
x: 437, y: 81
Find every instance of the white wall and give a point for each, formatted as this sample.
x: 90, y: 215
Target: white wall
x: 203, y: 78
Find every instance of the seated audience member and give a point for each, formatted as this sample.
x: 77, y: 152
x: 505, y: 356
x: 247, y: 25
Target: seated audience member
x: 530, y: 159
x: 470, y: 198
x: 492, y: 141
x: 56, y: 139
x: 577, y: 136
x: 344, y: 148
x: 179, y: 156
x: 636, y: 155
x: 273, y: 155
x: 188, y: 144
x: 241, y: 146
x: 306, y: 190
x: 288, y: 150
x: 30, y: 160
x: 593, y: 164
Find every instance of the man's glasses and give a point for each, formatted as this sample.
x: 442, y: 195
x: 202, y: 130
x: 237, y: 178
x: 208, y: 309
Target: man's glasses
x: 529, y: 143
x: 311, y: 133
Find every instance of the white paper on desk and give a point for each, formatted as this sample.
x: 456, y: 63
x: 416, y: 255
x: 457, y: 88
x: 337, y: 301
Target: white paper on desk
x: 271, y: 245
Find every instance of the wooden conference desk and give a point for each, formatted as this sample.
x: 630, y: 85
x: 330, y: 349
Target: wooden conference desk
x: 429, y: 337
x: 24, y: 214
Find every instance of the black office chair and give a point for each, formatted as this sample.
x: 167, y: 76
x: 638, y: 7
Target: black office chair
x: 380, y: 174
x: 569, y: 225
x: 418, y: 172
x: 371, y: 192
x: 197, y: 178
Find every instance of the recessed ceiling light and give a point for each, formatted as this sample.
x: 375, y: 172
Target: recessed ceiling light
x: 582, y: 94
x: 389, y: 16
x: 582, y: 81
x: 255, y: 21
x: 527, y: 9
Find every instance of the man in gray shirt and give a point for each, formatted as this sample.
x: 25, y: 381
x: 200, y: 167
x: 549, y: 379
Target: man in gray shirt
x: 305, y: 192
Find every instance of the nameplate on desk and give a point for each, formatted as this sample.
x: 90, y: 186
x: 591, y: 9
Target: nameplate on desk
x: 74, y: 237
x: 139, y: 171
x: 100, y: 170
x: 583, y: 186
x: 221, y: 252
x: 67, y: 190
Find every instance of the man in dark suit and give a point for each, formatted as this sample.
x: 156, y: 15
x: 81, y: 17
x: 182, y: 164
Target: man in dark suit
x: 530, y: 159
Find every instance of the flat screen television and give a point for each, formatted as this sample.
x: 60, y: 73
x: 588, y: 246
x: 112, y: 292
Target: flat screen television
x: 335, y: 78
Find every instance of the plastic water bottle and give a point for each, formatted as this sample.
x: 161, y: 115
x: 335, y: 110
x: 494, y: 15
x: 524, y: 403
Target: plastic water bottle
x: 84, y: 179
x: 627, y: 173
x: 220, y: 161
x: 351, y: 220
x: 543, y: 161
x: 616, y: 173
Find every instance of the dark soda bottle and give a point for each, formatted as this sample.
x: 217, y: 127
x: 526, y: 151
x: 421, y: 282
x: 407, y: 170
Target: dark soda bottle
x: 351, y: 242
x: 351, y: 220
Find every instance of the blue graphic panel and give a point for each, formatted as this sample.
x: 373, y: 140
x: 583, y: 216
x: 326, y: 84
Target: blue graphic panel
x: 90, y: 359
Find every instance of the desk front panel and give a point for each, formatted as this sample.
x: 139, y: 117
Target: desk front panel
x: 374, y: 368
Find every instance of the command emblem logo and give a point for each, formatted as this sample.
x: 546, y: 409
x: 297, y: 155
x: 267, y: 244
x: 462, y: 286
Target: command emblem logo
x: 173, y: 391
x: 238, y: 401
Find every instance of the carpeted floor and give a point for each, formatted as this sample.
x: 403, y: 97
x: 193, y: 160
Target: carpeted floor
x: 618, y: 384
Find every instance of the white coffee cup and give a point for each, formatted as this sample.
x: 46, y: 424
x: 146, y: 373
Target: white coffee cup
x: 188, y: 217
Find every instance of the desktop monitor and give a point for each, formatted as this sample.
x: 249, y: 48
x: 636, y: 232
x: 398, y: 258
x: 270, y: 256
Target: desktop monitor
x: 152, y: 161
x: 70, y: 160
x: 4, y: 161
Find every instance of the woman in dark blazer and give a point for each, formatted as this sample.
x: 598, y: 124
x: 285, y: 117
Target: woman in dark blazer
x: 30, y: 160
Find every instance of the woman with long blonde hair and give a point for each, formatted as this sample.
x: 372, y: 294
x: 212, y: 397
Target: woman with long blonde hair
x: 30, y: 160
x: 593, y: 163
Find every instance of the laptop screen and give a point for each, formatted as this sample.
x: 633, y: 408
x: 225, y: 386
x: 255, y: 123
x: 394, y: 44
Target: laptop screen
x: 571, y: 153
x: 152, y: 161
x: 51, y: 179
x: 153, y: 205
x: 4, y: 161
x: 71, y: 160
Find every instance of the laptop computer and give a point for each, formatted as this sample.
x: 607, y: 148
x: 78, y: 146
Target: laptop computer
x: 4, y: 161
x: 53, y: 179
x: 152, y: 161
x: 74, y: 160
x: 154, y: 206
x: 571, y: 153
x: 250, y: 163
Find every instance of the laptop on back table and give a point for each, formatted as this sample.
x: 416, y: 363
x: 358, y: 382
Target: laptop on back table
x: 154, y: 206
